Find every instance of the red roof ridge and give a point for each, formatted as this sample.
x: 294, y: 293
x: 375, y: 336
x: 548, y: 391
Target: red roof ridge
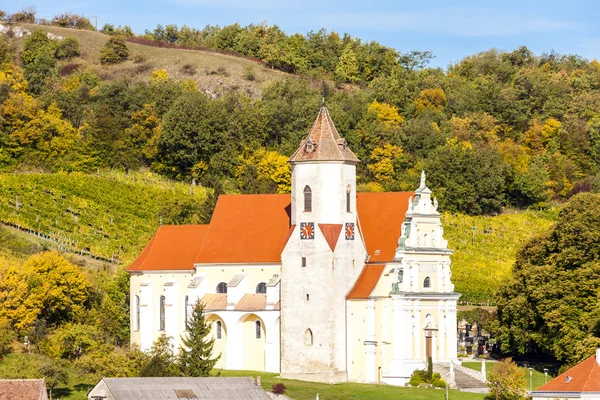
x: 585, y: 377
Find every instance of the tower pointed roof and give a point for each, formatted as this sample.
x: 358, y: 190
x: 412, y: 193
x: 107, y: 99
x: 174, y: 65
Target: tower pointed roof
x: 323, y: 143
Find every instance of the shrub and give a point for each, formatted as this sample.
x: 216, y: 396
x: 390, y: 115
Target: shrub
x: 67, y: 48
x: 188, y: 69
x: 278, y: 388
x: 73, y: 21
x: 139, y: 58
x: 114, y: 51
x: 439, y: 383
x: 25, y: 15
x: 68, y: 69
x: 222, y: 71
x: 249, y: 73
x: 7, y: 336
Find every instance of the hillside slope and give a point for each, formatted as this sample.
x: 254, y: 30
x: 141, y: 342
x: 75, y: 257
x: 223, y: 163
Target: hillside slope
x: 483, y: 257
x: 210, y: 70
x: 111, y: 216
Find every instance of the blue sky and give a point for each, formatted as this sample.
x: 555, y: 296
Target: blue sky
x: 451, y: 29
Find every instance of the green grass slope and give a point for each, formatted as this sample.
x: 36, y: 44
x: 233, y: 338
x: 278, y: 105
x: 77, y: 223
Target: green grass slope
x: 211, y: 71
x: 483, y: 257
x: 537, y: 377
x: 109, y: 215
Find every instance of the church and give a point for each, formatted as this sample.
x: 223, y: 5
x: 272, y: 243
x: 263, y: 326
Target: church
x: 323, y: 284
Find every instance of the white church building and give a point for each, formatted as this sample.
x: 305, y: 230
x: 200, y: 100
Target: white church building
x: 323, y: 284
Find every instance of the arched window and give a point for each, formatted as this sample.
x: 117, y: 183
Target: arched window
x: 308, y: 338
x: 219, y: 330
x: 348, y: 199
x: 137, y: 313
x: 185, y: 307
x: 258, y: 329
x: 161, y: 324
x: 261, y: 288
x: 307, y: 199
x: 222, y: 287
x: 427, y: 282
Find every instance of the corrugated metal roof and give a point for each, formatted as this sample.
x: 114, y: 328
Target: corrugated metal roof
x: 211, y: 388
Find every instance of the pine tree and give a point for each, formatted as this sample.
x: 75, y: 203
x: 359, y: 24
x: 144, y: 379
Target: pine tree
x: 196, y: 352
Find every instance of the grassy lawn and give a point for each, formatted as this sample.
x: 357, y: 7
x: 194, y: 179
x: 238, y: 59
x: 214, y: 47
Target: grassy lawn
x: 300, y: 390
x: 19, y: 366
x: 537, y: 377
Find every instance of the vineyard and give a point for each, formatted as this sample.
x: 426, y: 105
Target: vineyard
x: 110, y: 216
x: 485, y: 248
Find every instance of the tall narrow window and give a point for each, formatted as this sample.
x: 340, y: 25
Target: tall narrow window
x: 427, y: 282
x: 308, y: 338
x: 303, y: 262
x: 261, y: 288
x: 161, y: 325
x: 219, y: 330
x: 222, y: 287
x: 137, y: 313
x: 348, y: 199
x: 258, y: 330
x: 307, y: 199
x: 186, y: 308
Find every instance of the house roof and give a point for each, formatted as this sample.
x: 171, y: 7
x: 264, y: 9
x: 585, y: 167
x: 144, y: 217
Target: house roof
x: 323, y: 143
x: 210, y: 388
x: 23, y: 389
x: 380, y: 217
x: 366, y: 282
x: 584, y: 377
x: 173, y: 247
x: 249, y: 228
x: 255, y: 228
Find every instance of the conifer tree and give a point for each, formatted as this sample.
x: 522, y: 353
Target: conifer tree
x: 196, y: 352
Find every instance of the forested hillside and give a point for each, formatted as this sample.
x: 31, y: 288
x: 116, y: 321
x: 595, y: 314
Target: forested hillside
x: 494, y: 130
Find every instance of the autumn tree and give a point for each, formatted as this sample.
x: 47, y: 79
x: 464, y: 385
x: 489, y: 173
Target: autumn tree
x: 347, y: 67
x: 506, y: 381
x: 196, y: 352
x: 54, y: 372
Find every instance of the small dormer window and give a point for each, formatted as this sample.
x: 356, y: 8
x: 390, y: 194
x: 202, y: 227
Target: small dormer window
x: 310, y: 145
x: 342, y: 143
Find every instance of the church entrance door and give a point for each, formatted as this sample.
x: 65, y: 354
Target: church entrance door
x: 428, y: 340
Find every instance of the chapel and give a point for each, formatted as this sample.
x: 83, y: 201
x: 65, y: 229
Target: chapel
x: 322, y: 284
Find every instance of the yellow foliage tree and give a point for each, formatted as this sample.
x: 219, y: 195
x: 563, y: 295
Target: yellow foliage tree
x: 386, y: 113
x: 271, y: 166
x: 430, y: 99
x: 515, y: 155
x: 13, y: 76
x: 480, y: 127
x: 159, y: 75
x: 383, y: 166
x: 46, y: 286
x: 538, y: 136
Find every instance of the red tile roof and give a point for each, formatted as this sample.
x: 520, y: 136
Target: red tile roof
x: 173, y: 247
x: 249, y: 228
x: 331, y: 232
x: 255, y: 229
x: 327, y: 145
x: 380, y: 217
x: 584, y: 377
x: 366, y: 282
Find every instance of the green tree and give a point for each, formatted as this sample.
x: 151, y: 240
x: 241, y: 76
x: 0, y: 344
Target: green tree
x: 67, y: 48
x: 195, y: 355
x: 39, y: 70
x: 347, y: 68
x: 162, y: 361
x: 55, y: 372
x: 115, y: 51
x: 550, y: 305
x: 506, y: 382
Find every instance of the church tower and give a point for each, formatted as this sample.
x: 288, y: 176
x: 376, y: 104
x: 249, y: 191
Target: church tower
x: 322, y: 258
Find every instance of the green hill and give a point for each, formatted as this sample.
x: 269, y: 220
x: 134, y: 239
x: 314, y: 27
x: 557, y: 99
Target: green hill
x: 211, y: 71
x: 112, y: 215
x: 483, y: 257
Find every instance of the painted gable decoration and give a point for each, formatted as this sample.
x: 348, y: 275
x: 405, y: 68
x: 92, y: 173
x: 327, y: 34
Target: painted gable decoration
x: 331, y: 232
